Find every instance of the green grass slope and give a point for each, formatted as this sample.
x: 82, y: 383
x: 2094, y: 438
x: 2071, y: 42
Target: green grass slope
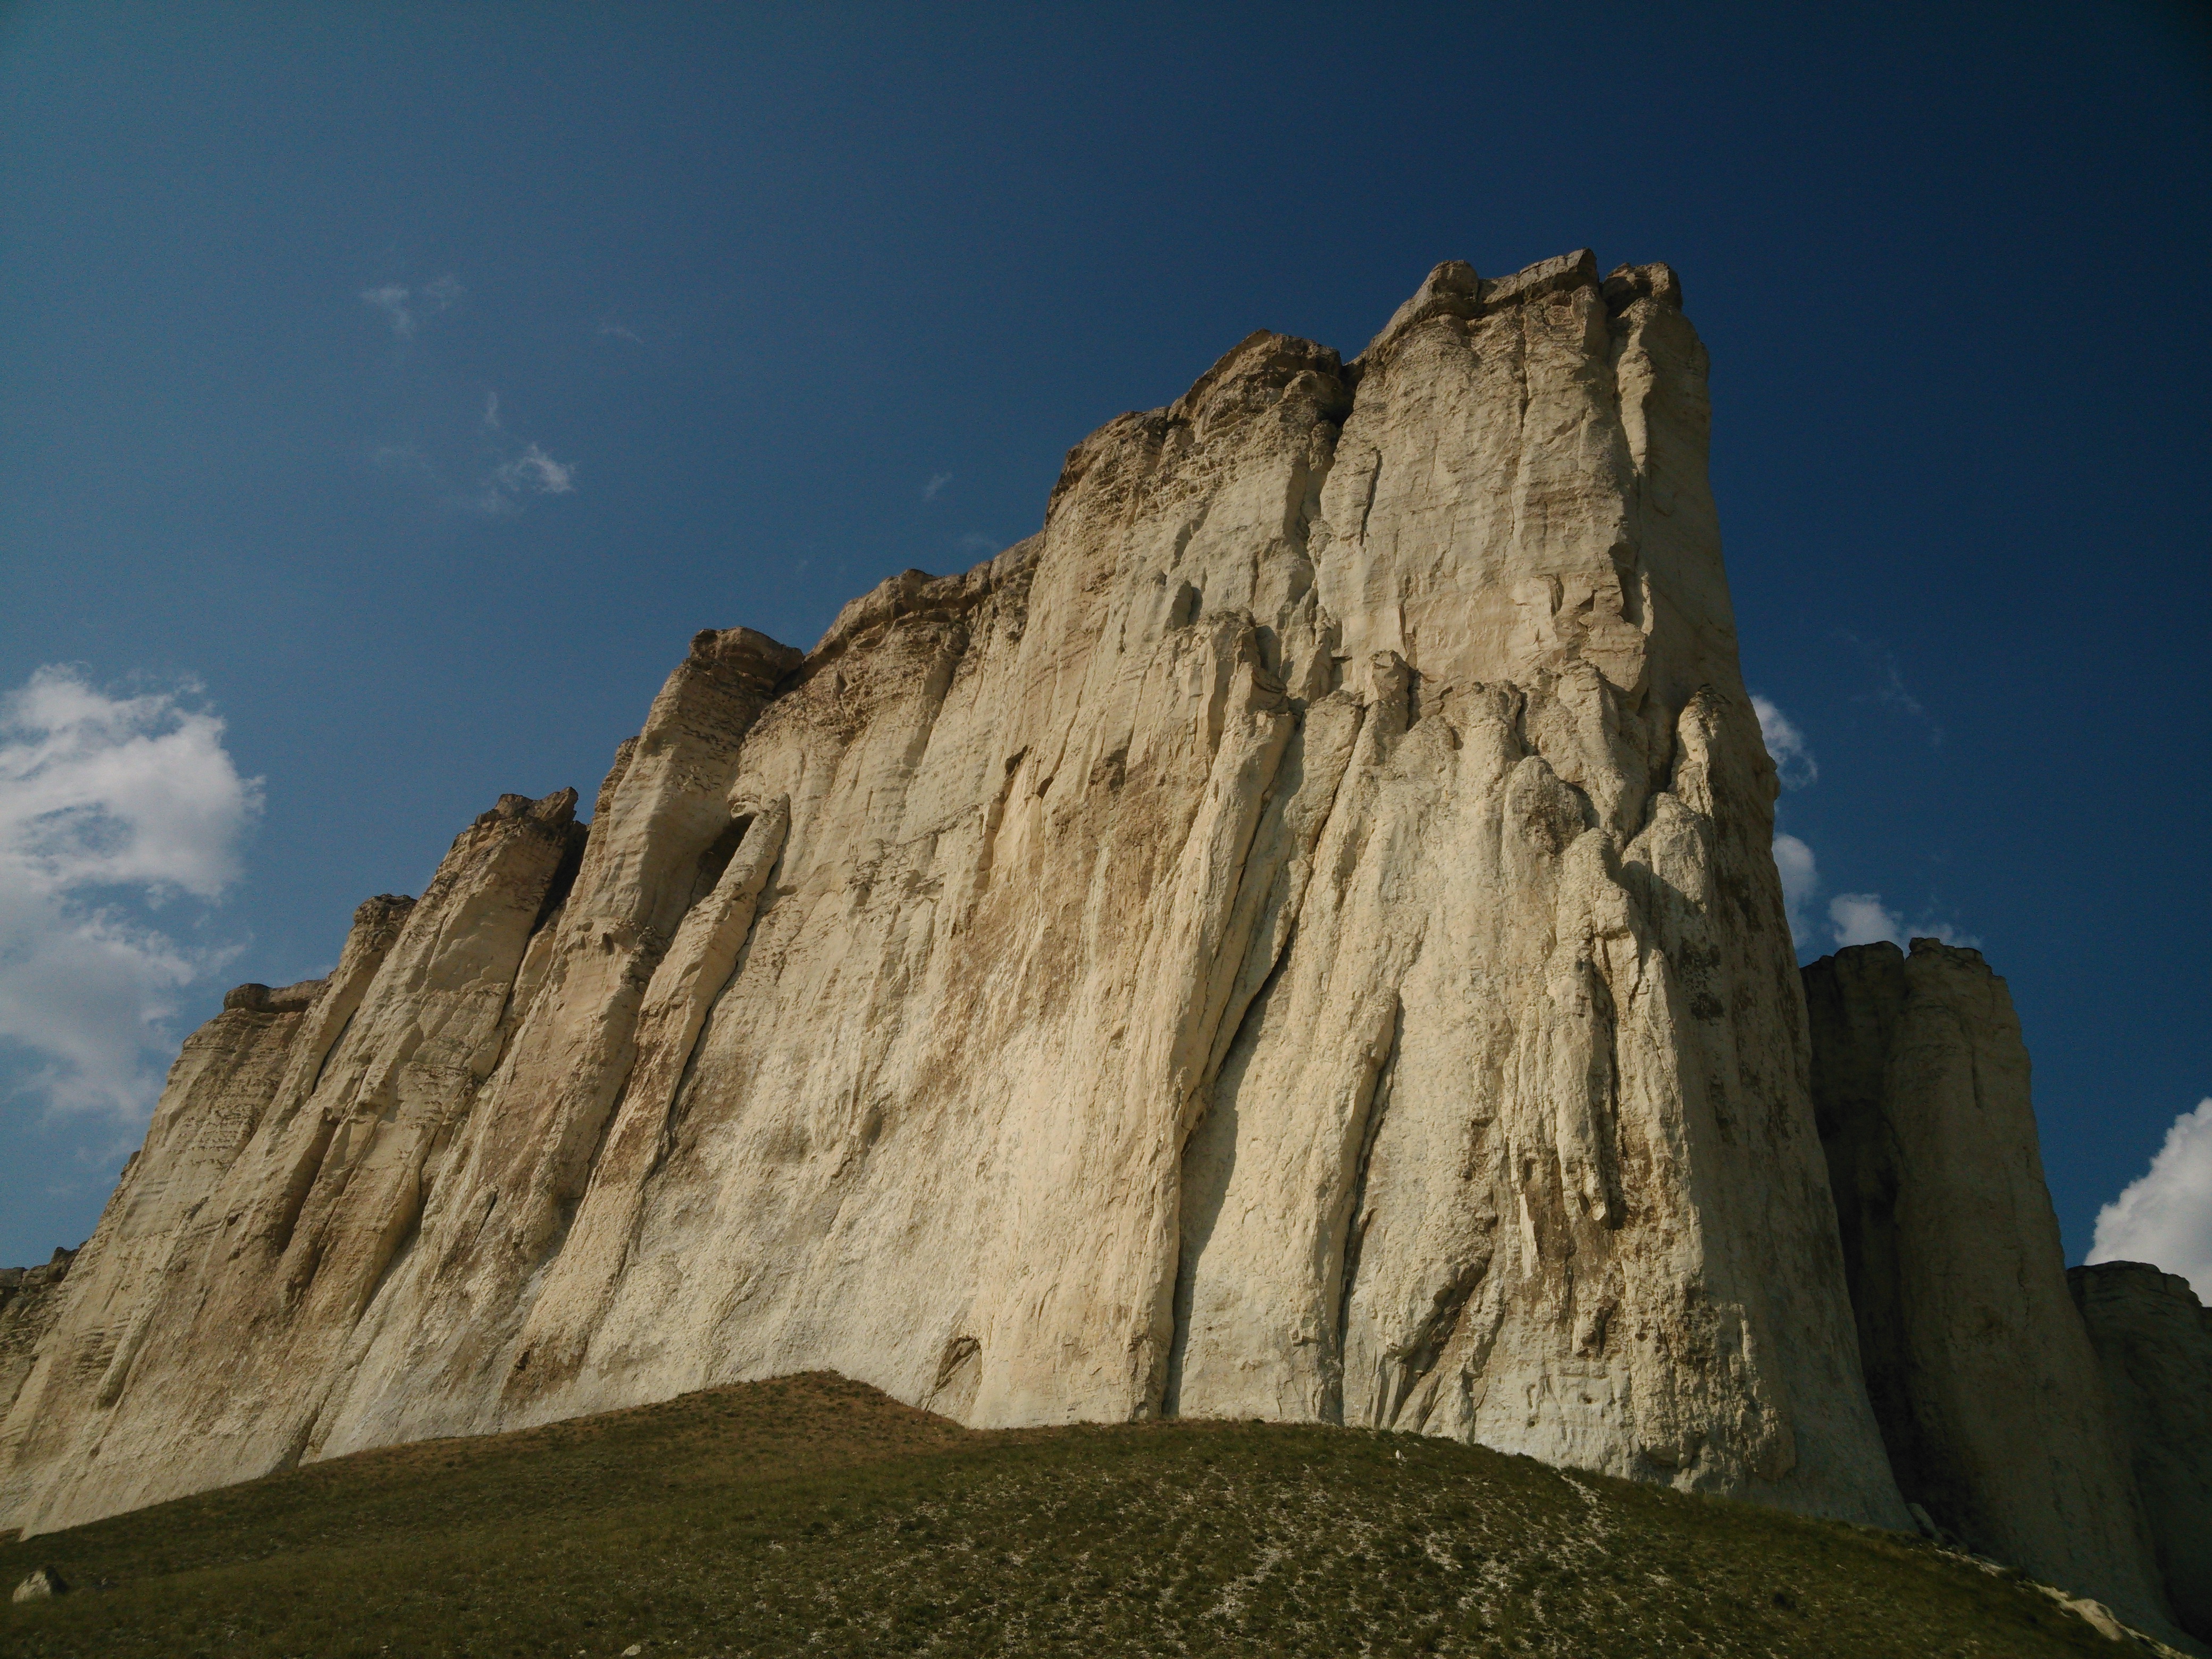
x: 814, y: 1516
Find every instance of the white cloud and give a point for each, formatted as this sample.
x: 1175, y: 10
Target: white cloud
x: 535, y: 470
x: 2165, y: 1216
x: 616, y: 331
x: 1863, y: 918
x: 1800, y: 879
x: 107, y: 803
x: 935, y: 486
x: 1793, y: 756
x: 491, y: 411
x: 405, y: 307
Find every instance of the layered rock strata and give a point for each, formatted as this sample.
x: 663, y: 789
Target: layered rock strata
x: 30, y: 1302
x: 2153, y: 1340
x: 1295, y: 938
x: 1990, y: 1400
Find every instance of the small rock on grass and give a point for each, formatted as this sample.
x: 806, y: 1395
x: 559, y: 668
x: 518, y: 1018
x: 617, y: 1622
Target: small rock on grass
x: 42, y: 1585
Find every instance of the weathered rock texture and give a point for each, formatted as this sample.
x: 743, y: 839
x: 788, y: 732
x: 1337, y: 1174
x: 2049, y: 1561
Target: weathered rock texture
x: 30, y: 1302
x: 1989, y: 1398
x: 1295, y: 938
x: 2154, y: 1340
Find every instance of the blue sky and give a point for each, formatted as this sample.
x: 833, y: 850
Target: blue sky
x: 387, y: 393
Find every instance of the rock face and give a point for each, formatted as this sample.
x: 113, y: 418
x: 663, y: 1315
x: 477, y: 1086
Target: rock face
x: 1989, y: 1398
x: 30, y: 1302
x: 1297, y: 938
x: 2155, y: 1340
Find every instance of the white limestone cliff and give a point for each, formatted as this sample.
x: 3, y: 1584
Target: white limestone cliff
x: 1295, y: 938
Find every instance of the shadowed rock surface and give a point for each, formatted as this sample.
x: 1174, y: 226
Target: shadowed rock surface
x: 1990, y: 1400
x: 2154, y: 1340
x: 1297, y: 937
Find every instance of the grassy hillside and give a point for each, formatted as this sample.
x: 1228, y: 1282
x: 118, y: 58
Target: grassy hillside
x: 814, y: 1516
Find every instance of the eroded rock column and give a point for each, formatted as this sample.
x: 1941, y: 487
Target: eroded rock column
x: 2153, y: 1338
x: 1990, y: 1400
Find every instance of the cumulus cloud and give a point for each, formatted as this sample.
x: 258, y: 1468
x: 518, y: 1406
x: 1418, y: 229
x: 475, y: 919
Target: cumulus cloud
x: 405, y: 307
x: 931, y: 490
x: 1792, y: 755
x: 111, y: 808
x: 1863, y: 918
x: 2165, y: 1215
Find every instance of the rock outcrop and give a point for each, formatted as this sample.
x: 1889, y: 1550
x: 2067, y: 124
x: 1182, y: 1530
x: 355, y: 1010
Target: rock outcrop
x: 30, y: 1302
x: 1297, y: 936
x: 2155, y: 1340
x: 1990, y: 1400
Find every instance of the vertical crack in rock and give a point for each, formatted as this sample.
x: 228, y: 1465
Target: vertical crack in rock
x: 693, y: 973
x: 1370, y: 1117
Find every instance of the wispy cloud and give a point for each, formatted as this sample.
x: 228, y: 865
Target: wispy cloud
x: 976, y: 541
x: 535, y: 471
x: 1890, y: 692
x: 618, y: 331
x: 476, y: 464
x: 111, y: 808
x: 392, y: 300
x: 404, y: 308
x: 931, y: 490
x: 500, y: 493
x: 398, y: 458
x: 2164, y: 1216
x: 1785, y: 743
